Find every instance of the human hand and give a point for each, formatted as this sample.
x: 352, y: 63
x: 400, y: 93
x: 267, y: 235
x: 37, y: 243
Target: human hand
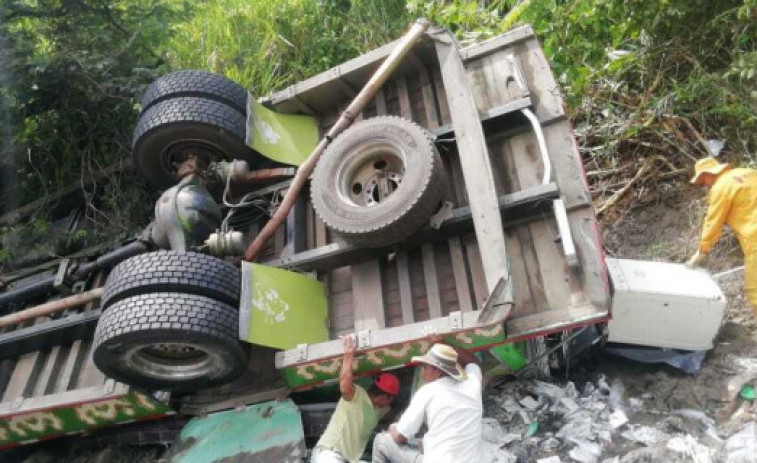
x: 350, y: 344
x: 435, y: 338
x: 695, y: 260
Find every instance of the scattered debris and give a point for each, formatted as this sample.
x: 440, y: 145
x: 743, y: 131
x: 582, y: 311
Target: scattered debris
x: 533, y: 420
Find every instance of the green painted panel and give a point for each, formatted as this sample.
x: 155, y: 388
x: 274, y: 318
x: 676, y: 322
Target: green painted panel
x: 268, y: 431
x: 513, y: 355
x: 25, y: 427
x: 286, y: 138
x: 314, y: 373
x: 287, y: 309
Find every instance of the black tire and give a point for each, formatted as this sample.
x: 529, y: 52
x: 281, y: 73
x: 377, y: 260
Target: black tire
x: 201, y: 84
x: 345, y: 189
x: 169, y: 341
x: 172, y: 129
x: 181, y: 271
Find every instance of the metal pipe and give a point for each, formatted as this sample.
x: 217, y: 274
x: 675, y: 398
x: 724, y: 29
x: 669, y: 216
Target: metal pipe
x: 727, y: 272
x: 542, y: 144
x: 104, y: 262
x: 31, y: 291
x: 111, y: 259
x: 51, y: 307
x: 346, y: 119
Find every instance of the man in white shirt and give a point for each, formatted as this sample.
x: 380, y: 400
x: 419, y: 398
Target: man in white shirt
x: 449, y: 403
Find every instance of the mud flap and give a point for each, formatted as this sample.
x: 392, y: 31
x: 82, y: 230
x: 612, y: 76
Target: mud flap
x: 268, y: 431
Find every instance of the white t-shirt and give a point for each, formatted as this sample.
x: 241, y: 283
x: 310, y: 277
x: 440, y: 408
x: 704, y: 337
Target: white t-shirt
x: 453, y: 412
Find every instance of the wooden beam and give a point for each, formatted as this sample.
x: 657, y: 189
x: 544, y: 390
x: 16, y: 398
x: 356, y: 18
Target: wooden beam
x: 406, y: 292
x: 460, y: 272
x: 368, y: 298
x: 479, y: 180
x: 520, y: 207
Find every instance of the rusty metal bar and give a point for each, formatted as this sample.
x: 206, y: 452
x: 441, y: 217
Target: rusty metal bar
x: 346, y: 119
x: 51, y: 307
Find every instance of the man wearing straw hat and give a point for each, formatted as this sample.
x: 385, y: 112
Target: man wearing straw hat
x: 450, y: 405
x: 732, y: 201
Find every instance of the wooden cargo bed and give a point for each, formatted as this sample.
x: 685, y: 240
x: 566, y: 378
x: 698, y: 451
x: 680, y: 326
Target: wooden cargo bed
x: 440, y: 272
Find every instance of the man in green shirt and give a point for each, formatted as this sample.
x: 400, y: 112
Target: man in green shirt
x: 356, y: 414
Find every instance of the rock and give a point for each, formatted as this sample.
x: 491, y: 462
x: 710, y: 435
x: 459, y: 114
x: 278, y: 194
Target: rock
x: 644, y: 435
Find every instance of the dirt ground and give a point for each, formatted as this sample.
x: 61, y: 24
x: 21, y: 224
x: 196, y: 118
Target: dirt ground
x: 664, y: 409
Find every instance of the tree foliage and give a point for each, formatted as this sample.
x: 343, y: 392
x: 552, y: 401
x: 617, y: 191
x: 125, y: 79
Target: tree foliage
x: 71, y: 72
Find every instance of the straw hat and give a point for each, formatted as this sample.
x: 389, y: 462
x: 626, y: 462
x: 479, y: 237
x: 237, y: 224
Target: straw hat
x: 708, y: 166
x: 444, y: 358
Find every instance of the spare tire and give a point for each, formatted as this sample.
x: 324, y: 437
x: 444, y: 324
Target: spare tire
x: 191, y: 83
x: 169, y: 341
x: 181, y: 271
x: 379, y: 181
x: 171, y: 130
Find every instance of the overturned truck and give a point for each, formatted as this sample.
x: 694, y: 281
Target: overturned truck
x: 456, y: 204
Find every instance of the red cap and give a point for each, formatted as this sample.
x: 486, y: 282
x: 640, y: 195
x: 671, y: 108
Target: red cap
x: 388, y: 383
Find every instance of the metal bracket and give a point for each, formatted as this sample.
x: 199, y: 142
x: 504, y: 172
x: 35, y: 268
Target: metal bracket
x: 566, y: 237
x: 456, y: 320
x: 162, y: 396
x: 79, y: 287
x: 302, y: 351
x: 60, y: 283
x: 364, y: 338
x: 444, y: 213
x: 109, y: 386
x: 518, y: 75
x: 17, y: 403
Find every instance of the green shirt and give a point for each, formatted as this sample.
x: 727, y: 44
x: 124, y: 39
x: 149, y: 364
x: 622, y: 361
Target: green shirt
x: 350, y: 426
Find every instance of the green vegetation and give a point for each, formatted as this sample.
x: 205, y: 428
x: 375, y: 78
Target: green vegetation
x: 642, y: 77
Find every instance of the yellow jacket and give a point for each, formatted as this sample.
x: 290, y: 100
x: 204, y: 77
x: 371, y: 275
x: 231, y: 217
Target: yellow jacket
x: 732, y: 200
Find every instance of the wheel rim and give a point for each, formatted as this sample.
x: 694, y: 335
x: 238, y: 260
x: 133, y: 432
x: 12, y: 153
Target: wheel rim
x: 370, y: 175
x: 204, y: 152
x: 174, y: 361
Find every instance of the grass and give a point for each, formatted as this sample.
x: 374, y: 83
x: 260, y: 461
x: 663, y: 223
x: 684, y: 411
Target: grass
x: 266, y: 45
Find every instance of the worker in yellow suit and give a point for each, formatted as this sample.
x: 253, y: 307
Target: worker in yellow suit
x: 733, y: 201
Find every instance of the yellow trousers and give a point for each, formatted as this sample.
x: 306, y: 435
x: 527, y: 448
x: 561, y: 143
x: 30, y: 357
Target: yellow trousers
x: 750, y: 277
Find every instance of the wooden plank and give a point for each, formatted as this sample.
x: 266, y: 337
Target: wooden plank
x: 477, y: 271
x: 49, y: 372
x: 89, y: 374
x: 508, y: 39
x: 403, y: 266
x: 461, y: 275
x: 368, y: 295
x: 404, y: 98
x: 432, y: 281
x: 368, y: 300
x: 381, y: 103
x: 71, y: 366
x: 462, y: 287
x: 441, y: 97
x: 406, y: 293
x: 296, y: 228
x: 320, y: 232
x: 22, y: 374
x: 554, y: 320
x: 477, y: 172
x: 310, y: 225
x: 381, y: 338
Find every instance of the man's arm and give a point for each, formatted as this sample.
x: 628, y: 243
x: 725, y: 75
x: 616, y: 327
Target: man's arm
x: 346, y: 383
x: 412, y: 419
x: 720, y: 200
x: 396, y: 435
x: 465, y: 357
